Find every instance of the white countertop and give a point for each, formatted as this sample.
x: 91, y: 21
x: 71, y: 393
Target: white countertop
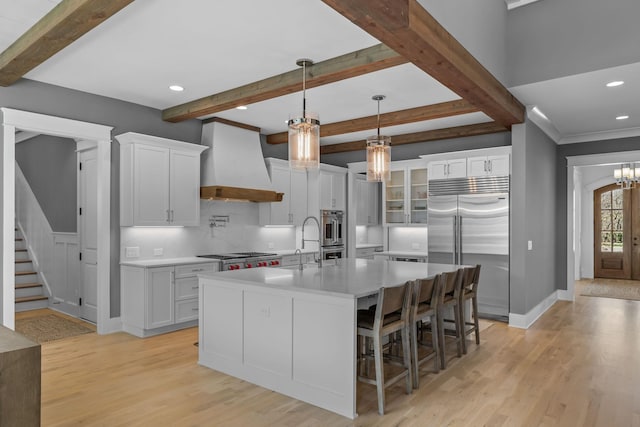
x: 167, y: 261
x: 368, y: 245
x: 347, y: 277
x: 407, y: 254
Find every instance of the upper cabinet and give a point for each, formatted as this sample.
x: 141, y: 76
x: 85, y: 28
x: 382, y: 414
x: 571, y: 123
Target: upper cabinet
x: 405, y: 195
x: 292, y: 210
x: 488, y: 165
x: 159, y: 181
x: 367, y: 201
x: 327, y: 189
x: 446, y: 169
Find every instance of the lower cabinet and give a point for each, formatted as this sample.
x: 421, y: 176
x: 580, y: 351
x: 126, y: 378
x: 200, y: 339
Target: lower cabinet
x: 160, y: 299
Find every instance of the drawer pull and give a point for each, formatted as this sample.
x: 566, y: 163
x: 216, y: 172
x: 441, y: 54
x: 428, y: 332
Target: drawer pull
x: 194, y: 287
x: 198, y: 269
x: 194, y: 309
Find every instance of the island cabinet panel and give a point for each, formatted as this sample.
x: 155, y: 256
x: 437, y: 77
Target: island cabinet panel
x: 267, y: 332
x: 298, y: 344
x: 316, y: 362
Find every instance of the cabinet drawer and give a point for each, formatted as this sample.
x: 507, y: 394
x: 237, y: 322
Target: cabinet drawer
x: 186, y: 287
x: 186, y: 310
x: 193, y: 269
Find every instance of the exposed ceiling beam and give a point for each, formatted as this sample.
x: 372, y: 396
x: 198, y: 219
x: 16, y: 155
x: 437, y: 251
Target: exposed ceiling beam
x: 352, y: 64
x: 411, y: 115
x: 426, y: 136
x: 63, y: 25
x: 406, y: 27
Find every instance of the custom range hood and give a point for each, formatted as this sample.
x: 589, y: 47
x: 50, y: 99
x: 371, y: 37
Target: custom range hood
x: 233, y: 168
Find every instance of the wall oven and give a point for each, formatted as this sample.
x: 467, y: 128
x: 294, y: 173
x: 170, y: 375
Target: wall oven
x: 332, y: 252
x: 332, y: 228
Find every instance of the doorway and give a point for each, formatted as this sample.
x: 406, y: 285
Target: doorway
x: 616, y: 232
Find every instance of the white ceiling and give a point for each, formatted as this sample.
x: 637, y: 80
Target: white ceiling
x: 211, y: 46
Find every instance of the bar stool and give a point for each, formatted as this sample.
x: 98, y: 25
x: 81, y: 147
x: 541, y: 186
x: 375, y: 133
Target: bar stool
x: 425, y: 305
x: 450, y: 298
x: 391, y: 315
x: 469, y: 291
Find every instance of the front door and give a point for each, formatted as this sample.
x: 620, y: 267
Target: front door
x: 616, y: 233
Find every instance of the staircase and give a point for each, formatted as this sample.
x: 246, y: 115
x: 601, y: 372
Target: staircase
x: 29, y: 293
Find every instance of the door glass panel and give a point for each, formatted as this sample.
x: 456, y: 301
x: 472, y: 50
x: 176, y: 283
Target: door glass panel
x: 618, y: 220
x: 618, y: 199
x: 605, y: 200
x: 606, y: 220
x: 617, y: 242
x: 605, y: 241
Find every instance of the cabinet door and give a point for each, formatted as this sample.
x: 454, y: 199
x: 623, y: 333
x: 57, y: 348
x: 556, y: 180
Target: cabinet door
x: 457, y: 168
x: 418, y: 193
x: 326, y: 190
x: 437, y: 170
x: 395, y: 209
x: 373, y: 207
x: 298, y: 200
x: 477, y: 166
x: 159, y: 295
x: 279, y: 211
x: 499, y: 165
x: 362, y: 202
x: 184, y: 188
x: 338, y: 191
x: 151, y: 186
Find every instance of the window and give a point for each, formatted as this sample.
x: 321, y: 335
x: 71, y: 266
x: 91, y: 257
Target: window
x: 612, y: 221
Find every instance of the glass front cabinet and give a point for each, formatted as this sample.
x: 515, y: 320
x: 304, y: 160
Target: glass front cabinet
x: 405, y: 195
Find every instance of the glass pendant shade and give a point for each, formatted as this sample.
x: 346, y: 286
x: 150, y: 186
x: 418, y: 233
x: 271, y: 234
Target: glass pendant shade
x: 627, y: 176
x: 378, y: 158
x: 304, y: 141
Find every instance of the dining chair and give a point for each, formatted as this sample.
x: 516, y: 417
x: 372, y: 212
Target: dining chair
x: 450, y: 298
x: 424, y: 305
x: 469, y: 291
x: 390, y: 316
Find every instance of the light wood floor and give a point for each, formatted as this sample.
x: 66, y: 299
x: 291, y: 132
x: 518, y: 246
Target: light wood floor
x: 579, y: 365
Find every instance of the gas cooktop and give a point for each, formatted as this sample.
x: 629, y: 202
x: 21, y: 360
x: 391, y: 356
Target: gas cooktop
x: 237, y: 255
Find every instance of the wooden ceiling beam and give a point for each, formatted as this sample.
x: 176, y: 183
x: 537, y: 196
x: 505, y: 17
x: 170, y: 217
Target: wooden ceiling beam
x: 346, y: 66
x: 406, y: 27
x: 411, y: 115
x: 63, y: 25
x: 426, y: 136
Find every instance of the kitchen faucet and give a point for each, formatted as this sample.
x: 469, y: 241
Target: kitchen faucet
x: 311, y: 240
x: 299, y: 253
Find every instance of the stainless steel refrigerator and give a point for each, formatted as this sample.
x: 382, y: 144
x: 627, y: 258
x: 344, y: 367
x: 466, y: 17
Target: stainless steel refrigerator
x: 468, y: 222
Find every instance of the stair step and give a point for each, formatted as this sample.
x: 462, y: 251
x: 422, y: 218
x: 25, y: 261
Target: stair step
x: 22, y: 261
x: 32, y: 298
x: 25, y: 273
x: 27, y: 285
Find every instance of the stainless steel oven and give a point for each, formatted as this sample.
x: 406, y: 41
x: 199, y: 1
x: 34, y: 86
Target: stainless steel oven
x: 333, y: 252
x: 332, y: 228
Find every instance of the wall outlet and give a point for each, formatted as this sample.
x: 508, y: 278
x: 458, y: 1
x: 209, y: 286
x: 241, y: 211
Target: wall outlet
x: 415, y: 246
x: 530, y: 245
x: 271, y: 245
x: 132, y: 252
x: 158, y: 252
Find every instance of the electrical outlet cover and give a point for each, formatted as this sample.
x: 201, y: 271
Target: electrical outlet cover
x: 132, y: 251
x: 158, y: 252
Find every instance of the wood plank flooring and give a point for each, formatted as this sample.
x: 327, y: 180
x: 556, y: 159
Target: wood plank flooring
x: 579, y: 365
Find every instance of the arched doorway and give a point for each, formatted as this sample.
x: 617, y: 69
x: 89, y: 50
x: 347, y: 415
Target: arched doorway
x: 616, y: 232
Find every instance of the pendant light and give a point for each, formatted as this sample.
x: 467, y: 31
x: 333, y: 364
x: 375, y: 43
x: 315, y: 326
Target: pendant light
x: 378, y: 152
x: 304, y: 132
x: 627, y: 176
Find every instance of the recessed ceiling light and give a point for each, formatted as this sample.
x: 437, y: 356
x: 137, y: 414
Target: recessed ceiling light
x: 624, y: 117
x: 241, y: 107
x: 615, y: 83
x: 176, y: 88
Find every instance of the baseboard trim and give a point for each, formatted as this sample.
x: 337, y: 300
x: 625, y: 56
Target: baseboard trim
x: 524, y: 321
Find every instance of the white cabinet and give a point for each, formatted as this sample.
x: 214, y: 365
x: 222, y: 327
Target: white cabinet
x: 333, y: 190
x: 405, y: 194
x: 160, y: 299
x: 446, y: 169
x: 488, y: 165
x: 159, y: 181
x: 292, y: 210
x: 367, y: 201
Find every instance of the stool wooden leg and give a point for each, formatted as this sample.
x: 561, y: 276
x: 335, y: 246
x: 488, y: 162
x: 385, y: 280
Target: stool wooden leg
x: 474, y: 302
x: 459, y: 329
x: 434, y: 343
x: 463, y: 326
x: 414, y: 353
x: 406, y: 355
x: 377, y: 351
x: 440, y: 332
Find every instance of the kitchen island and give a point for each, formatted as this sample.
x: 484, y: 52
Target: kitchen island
x: 294, y: 331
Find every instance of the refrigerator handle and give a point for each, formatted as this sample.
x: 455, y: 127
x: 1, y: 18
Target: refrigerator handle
x: 459, y: 240
x: 455, y: 239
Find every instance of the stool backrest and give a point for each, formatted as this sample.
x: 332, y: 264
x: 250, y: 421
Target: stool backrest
x: 470, y: 278
x: 393, y: 298
x: 428, y: 290
x: 451, y: 282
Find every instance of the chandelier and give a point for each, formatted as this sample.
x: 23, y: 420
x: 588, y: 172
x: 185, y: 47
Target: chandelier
x: 304, y: 131
x: 378, y: 152
x: 627, y: 176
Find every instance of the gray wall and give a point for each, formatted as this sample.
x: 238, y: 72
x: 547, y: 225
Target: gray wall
x: 42, y: 98
x: 49, y: 165
x: 569, y: 150
x: 551, y: 38
x: 533, y: 217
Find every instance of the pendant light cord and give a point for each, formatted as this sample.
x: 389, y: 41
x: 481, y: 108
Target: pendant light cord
x: 304, y: 89
x: 378, y: 120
